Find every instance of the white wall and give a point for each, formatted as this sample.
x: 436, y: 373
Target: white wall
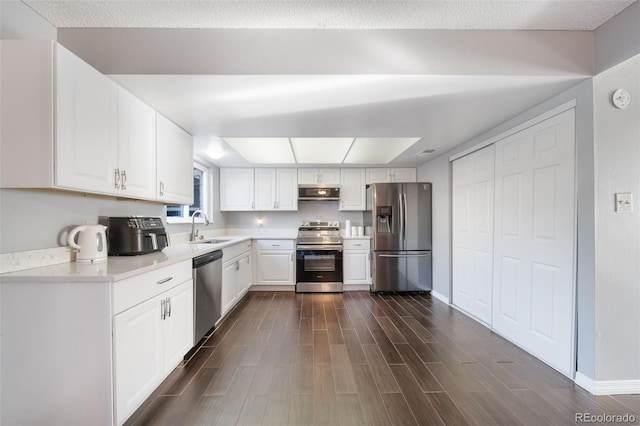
x: 437, y: 172
x: 39, y: 219
x: 19, y: 21
x: 617, y: 169
x: 618, y: 39
x: 307, y: 210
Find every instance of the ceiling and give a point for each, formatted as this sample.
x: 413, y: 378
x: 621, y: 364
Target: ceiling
x: 442, y: 109
x: 323, y: 14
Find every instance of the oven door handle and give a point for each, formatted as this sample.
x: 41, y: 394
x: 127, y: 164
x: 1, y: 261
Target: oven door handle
x: 407, y: 255
x: 319, y: 248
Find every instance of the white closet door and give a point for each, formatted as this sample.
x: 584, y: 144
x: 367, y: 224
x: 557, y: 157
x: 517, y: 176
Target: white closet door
x: 534, y: 283
x: 473, y: 187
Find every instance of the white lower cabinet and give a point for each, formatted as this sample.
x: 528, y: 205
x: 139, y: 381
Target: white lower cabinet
x: 151, y: 338
x: 275, y: 261
x: 139, y: 355
x: 236, y: 274
x: 356, y: 262
x: 96, y: 349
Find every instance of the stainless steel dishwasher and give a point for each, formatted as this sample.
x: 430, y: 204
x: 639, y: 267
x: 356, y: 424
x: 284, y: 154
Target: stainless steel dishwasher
x: 207, y: 294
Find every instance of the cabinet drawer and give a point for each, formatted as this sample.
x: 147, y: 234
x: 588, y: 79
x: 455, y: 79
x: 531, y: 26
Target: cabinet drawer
x: 275, y: 244
x: 360, y: 244
x: 230, y: 252
x: 134, y: 290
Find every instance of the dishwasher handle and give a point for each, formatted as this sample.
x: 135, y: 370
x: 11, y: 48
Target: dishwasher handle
x: 207, y: 258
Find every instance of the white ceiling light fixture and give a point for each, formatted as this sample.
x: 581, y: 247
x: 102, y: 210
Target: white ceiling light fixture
x: 214, y: 150
x: 263, y: 150
x: 321, y: 150
x: 377, y: 150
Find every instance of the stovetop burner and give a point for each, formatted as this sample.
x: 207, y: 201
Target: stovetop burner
x: 319, y: 232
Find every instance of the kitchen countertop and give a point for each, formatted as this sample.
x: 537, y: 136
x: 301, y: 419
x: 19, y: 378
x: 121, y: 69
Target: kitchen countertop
x: 117, y: 268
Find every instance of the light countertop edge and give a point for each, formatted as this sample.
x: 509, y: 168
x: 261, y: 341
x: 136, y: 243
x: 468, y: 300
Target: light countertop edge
x: 117, y: 268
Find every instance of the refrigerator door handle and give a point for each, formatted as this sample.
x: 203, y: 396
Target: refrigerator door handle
x: 401, y: 221
x: 404, y: 219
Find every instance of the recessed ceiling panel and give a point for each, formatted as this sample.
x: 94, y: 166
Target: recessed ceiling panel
x: 321, y: 150
x: 263, y: 150
x: 377, y: 150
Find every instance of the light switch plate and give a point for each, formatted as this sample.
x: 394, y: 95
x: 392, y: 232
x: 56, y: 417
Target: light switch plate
x: 624, y: 202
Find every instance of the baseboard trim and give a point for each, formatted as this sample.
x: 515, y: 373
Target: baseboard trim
x: 357, y: 287
x: 262, y: 287
x: 440, y: 297
x: 607, y: 387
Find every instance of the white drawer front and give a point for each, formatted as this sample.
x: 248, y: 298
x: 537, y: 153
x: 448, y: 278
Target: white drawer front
x: 364, y: 244
x: 134, y: 290
x: 275, y: 244
x: 230, y: 252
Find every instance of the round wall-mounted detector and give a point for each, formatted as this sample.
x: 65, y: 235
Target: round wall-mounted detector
x: 621, y: 98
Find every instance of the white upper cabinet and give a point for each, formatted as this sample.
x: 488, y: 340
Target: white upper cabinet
x: 385, y: 175
x: 174, y: 162
x: 377, y: 176
x: 237, y: 189
x: 404, y: 175
x: 73, y: 128
x: 286, y: 189
x: 136, y: 147
x: 324, y: 177
x: 352, y: 189
x: 86, y: 128
x: 265, y: 188
x: 274, y: 189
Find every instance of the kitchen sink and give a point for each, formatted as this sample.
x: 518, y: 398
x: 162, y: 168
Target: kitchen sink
x: 214, y: 241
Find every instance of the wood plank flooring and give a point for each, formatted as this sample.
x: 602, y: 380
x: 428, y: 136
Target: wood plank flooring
x: 362, y: 359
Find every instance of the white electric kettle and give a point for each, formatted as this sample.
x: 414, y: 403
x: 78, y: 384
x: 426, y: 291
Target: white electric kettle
x: 92, y: 243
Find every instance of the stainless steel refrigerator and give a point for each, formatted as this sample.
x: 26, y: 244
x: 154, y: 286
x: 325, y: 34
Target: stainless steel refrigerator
x: 400, y: 215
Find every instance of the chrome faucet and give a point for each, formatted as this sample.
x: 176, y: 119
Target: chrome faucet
x: 193, y: 223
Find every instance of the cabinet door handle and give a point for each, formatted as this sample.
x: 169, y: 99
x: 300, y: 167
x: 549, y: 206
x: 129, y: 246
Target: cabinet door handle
x: 292, y: 257
x: 275, y: 245
x: 163, y: 309
x: 357, y: 245
x: 237, y: 265
x: 168, y: 304
x: 164, y: 280
x: 117, y: 185
x: 161, y: 189
x: 124, y: 179
x: 275, y: 204
x: 253, y: 205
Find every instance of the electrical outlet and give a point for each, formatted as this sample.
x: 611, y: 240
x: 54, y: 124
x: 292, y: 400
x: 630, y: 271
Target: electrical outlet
x: 624, y: 202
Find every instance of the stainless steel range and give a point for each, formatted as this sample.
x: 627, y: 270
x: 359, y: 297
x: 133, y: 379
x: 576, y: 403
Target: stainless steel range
x: 319, y: 257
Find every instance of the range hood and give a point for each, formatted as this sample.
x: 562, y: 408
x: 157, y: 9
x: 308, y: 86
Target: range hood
x: 318, y: 193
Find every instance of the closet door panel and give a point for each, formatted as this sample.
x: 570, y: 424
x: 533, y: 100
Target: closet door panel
x: 534, y: 249
x: 473, y: 187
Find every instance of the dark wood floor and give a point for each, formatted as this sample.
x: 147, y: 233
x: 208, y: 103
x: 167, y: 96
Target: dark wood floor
x: 357, y: 358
